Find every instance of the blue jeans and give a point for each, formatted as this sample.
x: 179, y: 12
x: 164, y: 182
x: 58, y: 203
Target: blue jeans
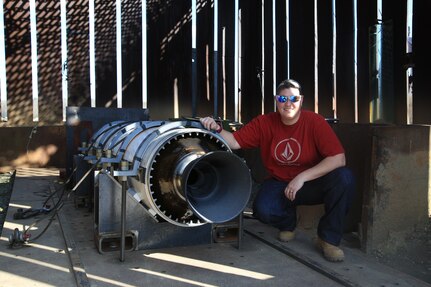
x: 335, y: 190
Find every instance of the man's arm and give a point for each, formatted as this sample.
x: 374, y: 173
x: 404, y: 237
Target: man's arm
x: 210, y: 124
x: 327, y: 165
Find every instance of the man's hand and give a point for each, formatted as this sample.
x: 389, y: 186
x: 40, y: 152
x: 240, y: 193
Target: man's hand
x: 210, y: 124
x: 293, y: 187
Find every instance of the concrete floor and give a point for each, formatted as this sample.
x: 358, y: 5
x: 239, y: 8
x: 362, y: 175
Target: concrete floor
x: 65, y: 255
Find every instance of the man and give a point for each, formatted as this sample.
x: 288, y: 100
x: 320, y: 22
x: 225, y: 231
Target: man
x: 306, y: 166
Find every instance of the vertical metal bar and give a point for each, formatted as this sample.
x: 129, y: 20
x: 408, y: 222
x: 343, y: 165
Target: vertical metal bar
x: 334, y: 57
x: 119, y: 59
x: 3, y: 82
x: 144, y: 55
x: 64, y: 66
x: 207, y: 71
x: 176, y: 102
x: 287, y: 39
x: 239, y: 65
x: 375, y: 72
x: 379, y: 11
x: 274, y: 51
x: 316, y: 60
x: 224, y: 69
x: 240, y: 230
x: 236, y: 60
x: 379, y: 45
x: 33, y: 36
x: 355, y: 56
x: 409, y: 71
x: 194, y: 63
x: 91, y: 17
x: 123, y: 220
x: 124, y: 165
x: 376, y: 108
x: 262, y: 78
x: 215, y: 58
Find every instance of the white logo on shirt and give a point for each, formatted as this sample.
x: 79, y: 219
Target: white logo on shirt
x: 287, y: 151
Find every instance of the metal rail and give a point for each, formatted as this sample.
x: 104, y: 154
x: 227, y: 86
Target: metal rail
x: 304, y: 260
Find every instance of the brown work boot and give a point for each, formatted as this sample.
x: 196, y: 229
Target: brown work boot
x: 330, y: 252
x: 286, y: 236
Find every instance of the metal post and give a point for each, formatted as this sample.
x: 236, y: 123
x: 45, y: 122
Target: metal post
x: 64, y: 66
x: 262, y: 70
x: 215, y: 58
x: 144, y: 54
x: 92, y: 52
x: 236, y: 75
x: 194, y: 60
x: 34, y: 57
x: 124, y: 166
x: 274, y: 52
x: 355, y: 55
x: 240, y: 229
x: 334, y: 58
x: 119, y: 55
x: 316, y: 60
x: 239, y: 65
x: 224, y: 69
x: 3, y: 89
x: 287, y: 39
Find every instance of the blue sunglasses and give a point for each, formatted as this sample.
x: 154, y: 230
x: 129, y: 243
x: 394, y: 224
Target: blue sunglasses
x: 283, y: 99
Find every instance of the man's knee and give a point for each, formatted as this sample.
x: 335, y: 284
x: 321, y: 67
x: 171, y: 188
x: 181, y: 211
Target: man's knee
x: 346, y: 182
x: 345, y: 177
x: 261, y: 212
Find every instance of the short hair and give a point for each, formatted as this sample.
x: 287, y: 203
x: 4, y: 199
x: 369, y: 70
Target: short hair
x: 287, y: 84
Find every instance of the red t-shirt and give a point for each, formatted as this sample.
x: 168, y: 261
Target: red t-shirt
x: 286, y: 150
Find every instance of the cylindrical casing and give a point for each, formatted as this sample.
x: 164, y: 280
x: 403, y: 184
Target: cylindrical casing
x: 188, y: 175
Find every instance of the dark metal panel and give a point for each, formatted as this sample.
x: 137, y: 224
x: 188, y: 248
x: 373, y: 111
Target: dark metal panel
x: 325, y: 87
x: 345, y: 62
x: 396, y: 12
x: 169, y: 57
x: 251, y: 60
x: 422, y: 62
x: 302, y: 50
x: 366, y: 18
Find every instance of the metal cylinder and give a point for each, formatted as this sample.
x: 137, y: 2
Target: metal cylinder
x: 185, y: 174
